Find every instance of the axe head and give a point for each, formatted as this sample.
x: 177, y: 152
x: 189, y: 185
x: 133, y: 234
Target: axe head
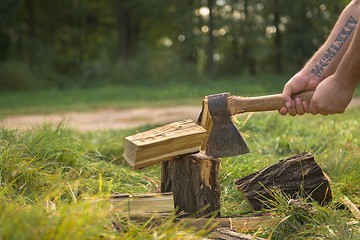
x: 224, y: 138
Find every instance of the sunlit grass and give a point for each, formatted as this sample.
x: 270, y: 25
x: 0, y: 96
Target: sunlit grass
x: 84, y: 220
x: 57, y: 166
x: 332, y: 140
x: 301, y: 219
x: 126, y: 96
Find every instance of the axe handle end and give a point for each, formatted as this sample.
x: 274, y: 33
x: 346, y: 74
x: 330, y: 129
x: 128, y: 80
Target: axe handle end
x: 238, y: 105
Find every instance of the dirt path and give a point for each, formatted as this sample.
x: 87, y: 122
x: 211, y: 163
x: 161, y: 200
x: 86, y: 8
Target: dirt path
x: 106, y: 118
x: 113, y: 118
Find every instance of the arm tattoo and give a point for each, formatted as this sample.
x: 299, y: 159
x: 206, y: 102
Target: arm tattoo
x: 335, y: 47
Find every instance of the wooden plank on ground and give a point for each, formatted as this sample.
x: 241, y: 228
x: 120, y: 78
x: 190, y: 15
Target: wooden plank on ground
x: 241, y: 224
x: 163, y: 143
x: 141, y: 205
x: 229, y: 234
x: 352, y: 207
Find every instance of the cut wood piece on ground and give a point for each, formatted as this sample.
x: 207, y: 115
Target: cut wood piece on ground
x: 297, y: 176
x: 228, y: 234
x: 240, y: 223
x: 163, y: 143
x: 352, y: 207
x: 141, y: 205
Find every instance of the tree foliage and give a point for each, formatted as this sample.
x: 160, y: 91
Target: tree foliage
x: 141, y: 40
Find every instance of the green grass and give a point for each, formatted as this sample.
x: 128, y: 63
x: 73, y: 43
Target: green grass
x: 61, y: 166
x: 169, y: 94
x: 58, y: 166
x: 173, y: 93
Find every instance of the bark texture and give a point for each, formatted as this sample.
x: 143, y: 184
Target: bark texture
x: 297, y: 176
x: 193, y: 180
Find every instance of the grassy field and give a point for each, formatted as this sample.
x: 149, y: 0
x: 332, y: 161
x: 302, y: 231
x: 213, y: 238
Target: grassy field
x: 46, y: 172
x: 140, y: 95
x: 179, y: 93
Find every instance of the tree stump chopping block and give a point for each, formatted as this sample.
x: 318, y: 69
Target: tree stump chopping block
x: 193, y: 180
x: 299, y: 175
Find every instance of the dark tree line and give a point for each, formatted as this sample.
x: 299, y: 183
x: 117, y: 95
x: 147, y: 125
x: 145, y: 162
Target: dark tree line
x: 126, y: 40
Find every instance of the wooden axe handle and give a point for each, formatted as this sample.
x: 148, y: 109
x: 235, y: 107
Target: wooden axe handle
x: 238, y: 105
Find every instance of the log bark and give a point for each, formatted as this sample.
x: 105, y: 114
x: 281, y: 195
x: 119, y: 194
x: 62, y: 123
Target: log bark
x: 297, y: 176
x: 193, y: 180
x: 166, y: 182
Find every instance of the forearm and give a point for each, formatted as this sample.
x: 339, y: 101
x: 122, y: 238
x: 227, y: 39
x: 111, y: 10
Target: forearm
x: 348, y: 72
x: 326, y: 60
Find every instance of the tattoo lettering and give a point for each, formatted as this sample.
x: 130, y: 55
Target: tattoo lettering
x: 335, y: 47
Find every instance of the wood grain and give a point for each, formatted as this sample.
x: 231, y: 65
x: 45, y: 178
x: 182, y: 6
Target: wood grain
x: 238, y: 105
x: 163, y: 143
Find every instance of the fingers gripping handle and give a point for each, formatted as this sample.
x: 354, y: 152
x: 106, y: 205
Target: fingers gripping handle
x: 238, y: 105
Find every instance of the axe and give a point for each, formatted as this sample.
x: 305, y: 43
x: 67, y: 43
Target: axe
x: 223, y: 139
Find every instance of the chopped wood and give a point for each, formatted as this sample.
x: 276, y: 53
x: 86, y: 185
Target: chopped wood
x: 352, y: 207
x: 229, y: 234
x: 163, y: 143
x: 297, y: 176
x: 193, y: 180
x: 240, y: 223
x: 206, y: 122
x: 141, y: 205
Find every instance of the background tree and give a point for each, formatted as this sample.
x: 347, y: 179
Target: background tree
x: 87, y: 42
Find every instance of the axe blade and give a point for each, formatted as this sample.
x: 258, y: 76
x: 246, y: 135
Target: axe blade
x: 224, y: 139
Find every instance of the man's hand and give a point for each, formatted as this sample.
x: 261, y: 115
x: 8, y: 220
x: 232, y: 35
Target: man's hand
x: 332, y: 96
x: 298, y: 83
x: 343, y: 60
